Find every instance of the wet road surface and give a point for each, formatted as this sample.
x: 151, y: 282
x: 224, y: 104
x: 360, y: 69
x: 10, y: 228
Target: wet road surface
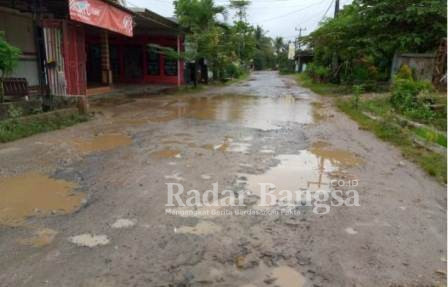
x: 85, y: 206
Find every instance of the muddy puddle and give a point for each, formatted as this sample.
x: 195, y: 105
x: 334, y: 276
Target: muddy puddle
x: 35, y: 194
x: 166, y: 153
x: 131, y: 121
x: 102, y: 142
x: 318, y: 112
x: 310, y: 170
x: 263, y: 113
x: 336, y: 156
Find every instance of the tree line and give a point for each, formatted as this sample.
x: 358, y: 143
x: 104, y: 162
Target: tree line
x: 359, y: 44
x: 229, y: 48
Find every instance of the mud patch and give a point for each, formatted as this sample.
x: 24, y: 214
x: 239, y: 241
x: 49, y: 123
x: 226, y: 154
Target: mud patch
x: 132, y: 121
x: 89, y: 240
x: 318, y: 113
x: 202, y: 228
x: 165, y: 153
x: 35, y: 194
x: 103, y: 142
x: 42, y: 237
x: 336, y: 156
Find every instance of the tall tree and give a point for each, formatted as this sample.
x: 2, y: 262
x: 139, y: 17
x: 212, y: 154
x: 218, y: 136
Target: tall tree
x: 241, y: 8
x: 367, y: 33
x: 198, y: 18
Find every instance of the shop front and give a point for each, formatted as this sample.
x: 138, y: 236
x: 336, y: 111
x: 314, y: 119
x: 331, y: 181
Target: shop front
x: 72, y: 46
x: 101, y: 45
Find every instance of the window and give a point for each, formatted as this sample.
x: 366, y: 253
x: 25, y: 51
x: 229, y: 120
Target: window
x: 170, y: 67
x: 153, y: 62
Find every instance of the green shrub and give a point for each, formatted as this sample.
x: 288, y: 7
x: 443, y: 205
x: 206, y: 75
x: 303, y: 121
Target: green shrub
x: 357, y: 91
x: 411, y: 97
x: 233, y: 71
x: 318, y: 73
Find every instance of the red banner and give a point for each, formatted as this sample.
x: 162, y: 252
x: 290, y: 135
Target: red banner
x: 101, y: 14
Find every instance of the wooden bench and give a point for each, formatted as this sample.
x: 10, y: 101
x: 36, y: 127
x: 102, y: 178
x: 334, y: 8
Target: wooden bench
x: 14, y: 89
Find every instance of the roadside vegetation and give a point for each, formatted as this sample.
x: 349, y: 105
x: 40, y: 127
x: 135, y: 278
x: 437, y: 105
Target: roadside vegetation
x: 358, y: 46
x: 352, y: 61
x: 404, y: 137
x: 231, y: 49
x: 17, y: 127
x: 412, y: 117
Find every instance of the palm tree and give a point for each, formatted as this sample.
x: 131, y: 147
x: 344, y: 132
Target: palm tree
x: 279, y: 45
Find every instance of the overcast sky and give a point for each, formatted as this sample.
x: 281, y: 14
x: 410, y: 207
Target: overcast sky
x: 278, y: 17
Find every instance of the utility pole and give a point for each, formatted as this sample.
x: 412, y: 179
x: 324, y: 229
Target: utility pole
x: 336, y: 8
x: 300, y: 29
x: 298, y: 63
x: 334, y: 62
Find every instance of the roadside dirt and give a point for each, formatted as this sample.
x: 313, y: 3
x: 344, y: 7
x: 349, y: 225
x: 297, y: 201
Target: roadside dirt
x: 108, y: 225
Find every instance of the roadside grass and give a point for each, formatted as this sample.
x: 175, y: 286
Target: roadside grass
x: 431, y: 136
x: 421, y: 141
x: 324, y: 89
x: 382, y: 107
x: 389, y: 130
x: 16, y: 128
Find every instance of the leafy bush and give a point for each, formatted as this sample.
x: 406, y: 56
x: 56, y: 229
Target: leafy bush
x: 366, y: 35
x: 233, y: 71
x: 9, y: 55
x: 317, y: 72
x: 410, y: 96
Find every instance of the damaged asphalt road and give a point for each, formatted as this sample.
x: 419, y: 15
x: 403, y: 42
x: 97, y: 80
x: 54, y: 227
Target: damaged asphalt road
x: 85, y: 206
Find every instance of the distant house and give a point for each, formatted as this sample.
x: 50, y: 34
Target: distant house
x: 72, y: 46
x: 302, y: 59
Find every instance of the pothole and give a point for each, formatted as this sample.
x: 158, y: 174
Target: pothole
x: 35, y: 194
x: 102, y: 142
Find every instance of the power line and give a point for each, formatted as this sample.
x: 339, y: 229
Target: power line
x: 292, y: 12
x: 328, y: 9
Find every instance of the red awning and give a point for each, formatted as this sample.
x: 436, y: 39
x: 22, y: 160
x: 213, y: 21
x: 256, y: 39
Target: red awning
x: 101, y: 14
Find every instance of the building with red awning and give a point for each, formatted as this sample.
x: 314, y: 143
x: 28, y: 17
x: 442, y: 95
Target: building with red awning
x: 77, y: 46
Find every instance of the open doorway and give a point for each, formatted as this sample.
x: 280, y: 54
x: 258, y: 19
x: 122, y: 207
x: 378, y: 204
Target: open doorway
x: 93, y: 65
x: 133, y: 63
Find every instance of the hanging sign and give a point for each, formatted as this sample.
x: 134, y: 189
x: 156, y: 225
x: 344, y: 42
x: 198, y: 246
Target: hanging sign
x: 101, y: 14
